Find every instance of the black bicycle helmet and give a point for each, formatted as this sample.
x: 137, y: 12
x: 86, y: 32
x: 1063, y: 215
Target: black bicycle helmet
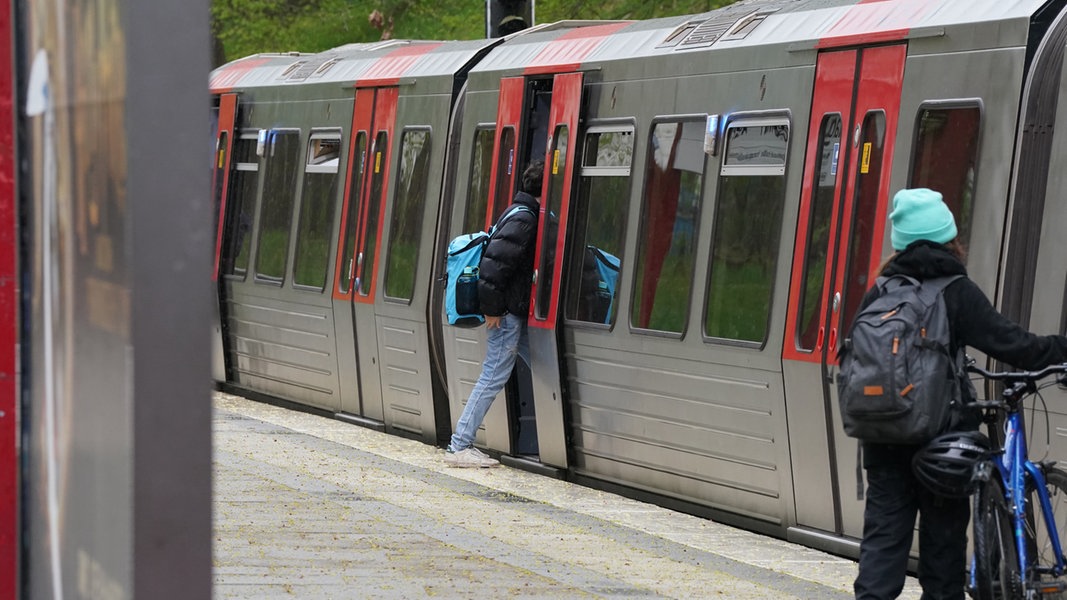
x: 946, y: 465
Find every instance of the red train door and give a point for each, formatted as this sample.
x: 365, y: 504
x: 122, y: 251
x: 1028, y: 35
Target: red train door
x: 839, y: 240
x: 220, y: 185
x: 548, y: 273
x: 506, y: 165
x: 356, y: 276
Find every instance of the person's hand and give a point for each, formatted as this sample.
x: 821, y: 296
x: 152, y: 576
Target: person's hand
x: 492, y: 322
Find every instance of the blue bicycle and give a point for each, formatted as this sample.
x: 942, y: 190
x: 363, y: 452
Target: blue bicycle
x: 1020, y: 507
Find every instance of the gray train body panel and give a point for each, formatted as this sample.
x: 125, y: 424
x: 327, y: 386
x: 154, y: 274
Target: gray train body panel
x: 741, y: 426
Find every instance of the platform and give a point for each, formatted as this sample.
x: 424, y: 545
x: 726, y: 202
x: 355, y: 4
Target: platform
x: 314, y: 508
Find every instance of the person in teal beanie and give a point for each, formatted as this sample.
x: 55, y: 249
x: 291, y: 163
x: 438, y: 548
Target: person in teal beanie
x: 924, y: 235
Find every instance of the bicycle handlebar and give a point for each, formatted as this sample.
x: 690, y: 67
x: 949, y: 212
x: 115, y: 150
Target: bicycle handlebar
x: 1060, y: 368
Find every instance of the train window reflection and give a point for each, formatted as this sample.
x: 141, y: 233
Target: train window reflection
x: 945, y: 158
x: 505, y: 173
x: 242, y: 201
x: 550, y: 234
x: 812, y: 297
x: 369, y: 247
x: 405, y: 226
x: 481, y: 171
x: 670, y: 211
x: 316, y: 210
x: 359, y: 163
x: 748, y: 223
x: 864, y: 209
x: 599, y: 216
x: 276, y: 215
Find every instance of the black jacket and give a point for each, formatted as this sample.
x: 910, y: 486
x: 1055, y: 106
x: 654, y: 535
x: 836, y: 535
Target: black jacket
x: 506, y: 271
x: 973, y: 322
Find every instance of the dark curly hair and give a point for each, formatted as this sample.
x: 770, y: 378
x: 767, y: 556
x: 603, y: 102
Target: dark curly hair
x: 532, y: 176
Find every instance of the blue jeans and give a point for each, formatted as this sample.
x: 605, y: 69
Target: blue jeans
x: 504, y: 344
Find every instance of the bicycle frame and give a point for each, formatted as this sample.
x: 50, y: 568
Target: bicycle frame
x: 1015, y: 469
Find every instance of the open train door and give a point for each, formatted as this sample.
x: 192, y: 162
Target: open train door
x: 548, y: 268
x: 496, y: 430
x: 841, y: 228
x: 220, y: 185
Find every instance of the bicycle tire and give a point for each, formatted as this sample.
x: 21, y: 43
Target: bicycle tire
x: 996, y: 561
x: 1041, y: 546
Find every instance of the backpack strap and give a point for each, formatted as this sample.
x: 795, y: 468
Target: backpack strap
x: 859, y: 470
x: 514, y: 211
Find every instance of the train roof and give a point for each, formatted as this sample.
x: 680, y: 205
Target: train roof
x: 363, y: 64
x: 567, y: 45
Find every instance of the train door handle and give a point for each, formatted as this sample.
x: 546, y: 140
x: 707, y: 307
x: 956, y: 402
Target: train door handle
x: 819, y: 339
x: 833, y: 338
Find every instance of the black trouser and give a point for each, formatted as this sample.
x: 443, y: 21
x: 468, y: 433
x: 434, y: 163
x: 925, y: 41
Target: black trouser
x: 893, y: 498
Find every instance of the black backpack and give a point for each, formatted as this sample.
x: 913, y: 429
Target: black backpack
x: 899, y: 382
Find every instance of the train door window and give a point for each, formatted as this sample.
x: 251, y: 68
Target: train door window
x: 276, y: 214
x: 316, y: 210
x: 670, y: 211
x: 818, y: 234
x: 481, y: 173
x: 359, y: 164
x: 945, y: 157
x: 220, y: 168
x: 405, y: 227
x: 241, y: 204
x: 374, y: 202
x: 748, y: 224
x: 505, y: 172
x: 550, y: 231
x: 599, y: 218
x: 864, y: 209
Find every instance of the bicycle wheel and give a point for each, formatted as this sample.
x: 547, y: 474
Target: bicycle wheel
x: 996, y: 562
x: 1044, y: 555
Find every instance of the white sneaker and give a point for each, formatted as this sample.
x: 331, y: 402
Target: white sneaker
x: 470, y: 458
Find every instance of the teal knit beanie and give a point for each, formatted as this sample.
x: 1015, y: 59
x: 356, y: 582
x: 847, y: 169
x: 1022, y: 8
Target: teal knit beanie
x: 920, y: 214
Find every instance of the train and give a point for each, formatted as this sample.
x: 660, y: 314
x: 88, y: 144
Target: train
x: 736, y: 165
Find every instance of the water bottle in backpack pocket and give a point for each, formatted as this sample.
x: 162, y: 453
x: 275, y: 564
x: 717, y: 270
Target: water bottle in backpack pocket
x: 899, y: 382
x: 461, y: 284
x: 462, y: 268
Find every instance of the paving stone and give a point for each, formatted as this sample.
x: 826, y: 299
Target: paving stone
x: 309, y: 507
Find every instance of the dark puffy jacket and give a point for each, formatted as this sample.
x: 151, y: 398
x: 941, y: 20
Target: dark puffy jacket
x: 506, y: 270
x: 973, y: 322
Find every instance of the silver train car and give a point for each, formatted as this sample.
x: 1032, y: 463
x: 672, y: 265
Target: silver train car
x: 714, y: 206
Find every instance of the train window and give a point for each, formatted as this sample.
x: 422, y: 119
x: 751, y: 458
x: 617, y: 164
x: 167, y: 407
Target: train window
x: 818, y: 234
x: 405, y: 227
x: 550, y: 233
x: 481, y: 171
x: 276, y: 214
x: 505, y: 173
x: 864, y: 208
x: 359, y: 163
x: 670, y: 210
x: 242, y: 201
x: 748, y: 223
x: 365, y: 268
x: 316, y: 210
x: 945, y: 158
x: 599, y: 218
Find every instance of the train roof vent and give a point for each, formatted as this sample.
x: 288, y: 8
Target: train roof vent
x: 326, y: 66
x: 731, y: 22
x: 288, y: 70
x: 314, y: 66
